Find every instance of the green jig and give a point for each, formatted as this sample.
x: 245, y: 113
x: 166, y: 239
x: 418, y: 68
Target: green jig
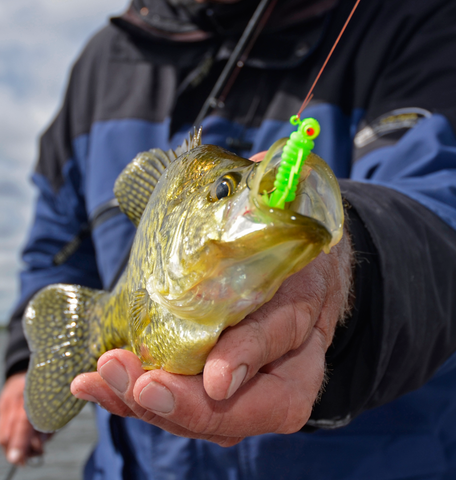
x: 294, y: 155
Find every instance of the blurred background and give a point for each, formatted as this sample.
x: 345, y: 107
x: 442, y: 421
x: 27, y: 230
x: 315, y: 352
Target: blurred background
x: 39, y: 40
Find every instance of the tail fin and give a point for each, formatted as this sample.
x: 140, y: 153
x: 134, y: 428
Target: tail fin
x: 59, y: 327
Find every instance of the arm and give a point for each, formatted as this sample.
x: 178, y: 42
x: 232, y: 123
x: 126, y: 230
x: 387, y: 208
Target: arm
x: 403, y: 212
x: 401, y: 227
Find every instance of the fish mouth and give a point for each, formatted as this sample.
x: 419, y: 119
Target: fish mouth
x: 244, y: 273
x: 235, y: 274
x: 318, y: 195
x: 260, y: 246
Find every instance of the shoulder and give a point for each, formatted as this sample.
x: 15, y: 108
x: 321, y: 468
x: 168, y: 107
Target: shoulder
x: 98, y: 49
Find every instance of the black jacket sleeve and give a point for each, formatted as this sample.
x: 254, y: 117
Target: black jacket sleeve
x: 403, y: 326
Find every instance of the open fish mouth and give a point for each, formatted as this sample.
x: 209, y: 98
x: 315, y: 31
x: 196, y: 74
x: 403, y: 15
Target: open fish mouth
x: 318, y: 195
x: 257, y: 248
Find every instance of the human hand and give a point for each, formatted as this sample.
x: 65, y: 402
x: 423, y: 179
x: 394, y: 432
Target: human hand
x: 18, y: 438
x: 262, y: 376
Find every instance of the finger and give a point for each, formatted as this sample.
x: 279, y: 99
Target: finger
x: 15, y: 429
x: 37, y: 442
x: 258, y: 156
x: 21, y: 434
x: 6, y: 422
x: 281, y: 325
x: 279, y: 400
x: 120, y: 370
x: 11, y: 405
x: 91, y: 387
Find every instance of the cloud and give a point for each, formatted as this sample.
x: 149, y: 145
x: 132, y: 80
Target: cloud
x: 39, y: 40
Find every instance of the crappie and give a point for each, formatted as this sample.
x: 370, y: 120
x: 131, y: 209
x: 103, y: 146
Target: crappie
x: 208, y: 251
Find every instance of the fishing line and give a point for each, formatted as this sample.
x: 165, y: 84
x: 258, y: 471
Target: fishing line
x: 310, y: 94
x: 299, y: 144
x: 36, y: 461
x: 236, y: 60
x: 245, y: 44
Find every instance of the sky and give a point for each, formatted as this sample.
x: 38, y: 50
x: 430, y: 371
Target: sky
x: 39, y: 41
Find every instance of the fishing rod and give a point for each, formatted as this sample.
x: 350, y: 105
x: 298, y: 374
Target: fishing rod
x: 11, y: 472
x: 223, y: 83
x: 298, y: 146
x: 36, y: 461
x: 235, y: 63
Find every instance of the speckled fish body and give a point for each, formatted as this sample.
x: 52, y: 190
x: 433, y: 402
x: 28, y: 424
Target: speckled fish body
x: 208, y: 251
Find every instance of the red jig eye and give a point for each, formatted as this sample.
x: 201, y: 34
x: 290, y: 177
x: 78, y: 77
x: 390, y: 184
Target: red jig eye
x: 310, y: 131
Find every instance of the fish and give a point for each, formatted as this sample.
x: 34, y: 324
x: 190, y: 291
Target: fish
x: 207, y: 252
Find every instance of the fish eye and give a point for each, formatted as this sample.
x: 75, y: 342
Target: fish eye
x: 224, y: 187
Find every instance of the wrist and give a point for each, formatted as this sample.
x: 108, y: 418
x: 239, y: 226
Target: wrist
x: 338, y: 268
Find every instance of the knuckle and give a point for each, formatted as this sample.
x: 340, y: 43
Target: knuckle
x: 299, y: 324
x: 255, y: 340
x: 295, y: 419
x: 199, y: 422
x: 273, y: 340
x: 261, y: 337
x: 116, y: 407
x: 297, y: 406
x: 324, y: 334
x: 127, y: 412
x: 147, y: 416
x: 205, y: 421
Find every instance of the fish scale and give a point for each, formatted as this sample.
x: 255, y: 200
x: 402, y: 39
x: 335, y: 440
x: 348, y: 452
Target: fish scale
x: 52, y: 366
x: 200, y: 261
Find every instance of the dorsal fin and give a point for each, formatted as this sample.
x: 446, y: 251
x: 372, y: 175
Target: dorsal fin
x: 135, y: 184
x: 194, y: 140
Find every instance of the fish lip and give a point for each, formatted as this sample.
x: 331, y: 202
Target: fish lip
x: 195, y: 297
x: 271, y: 161
x: 318, y: 196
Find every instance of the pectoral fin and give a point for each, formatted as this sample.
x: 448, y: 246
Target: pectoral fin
x: 139, y: 311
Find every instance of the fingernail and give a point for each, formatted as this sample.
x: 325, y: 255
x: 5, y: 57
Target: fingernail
x: 114, y: 373
x: 157, y: 398
x: 237, y: 377
x: 13, y: 455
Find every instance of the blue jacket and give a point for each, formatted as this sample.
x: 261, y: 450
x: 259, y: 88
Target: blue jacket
x: 387, y: 106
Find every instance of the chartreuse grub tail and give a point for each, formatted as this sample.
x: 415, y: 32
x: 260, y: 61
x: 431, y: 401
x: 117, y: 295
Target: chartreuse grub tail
x: 294, y: 155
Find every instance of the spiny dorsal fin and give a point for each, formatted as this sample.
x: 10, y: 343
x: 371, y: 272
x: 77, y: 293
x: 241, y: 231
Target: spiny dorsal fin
x: 135, y: 184
x: 194, y: 140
